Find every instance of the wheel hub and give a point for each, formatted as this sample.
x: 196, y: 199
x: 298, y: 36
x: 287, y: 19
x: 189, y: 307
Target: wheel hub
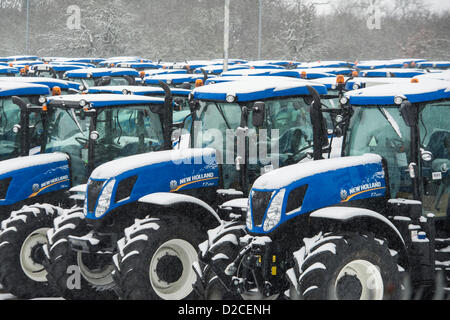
x: 349, y: 288
x: 37, y: 253
x: 169, y: 268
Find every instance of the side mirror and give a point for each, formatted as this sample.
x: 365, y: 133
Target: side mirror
x: 409, y: 113
x: 259, y: 112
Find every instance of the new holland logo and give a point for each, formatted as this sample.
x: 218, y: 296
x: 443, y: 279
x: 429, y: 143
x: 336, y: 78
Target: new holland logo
x: 35, y: 187
x: 344, y: 194
x: 173, y: 184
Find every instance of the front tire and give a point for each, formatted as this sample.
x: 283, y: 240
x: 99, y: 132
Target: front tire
x: 155, y: 259
x: 22, y: 238
x: 347, y: 267
x: 74, y: 275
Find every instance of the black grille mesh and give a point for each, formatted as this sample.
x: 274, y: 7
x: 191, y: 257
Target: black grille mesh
x: 260, y: 204
x: 4, y: 185
x: 93, y: 190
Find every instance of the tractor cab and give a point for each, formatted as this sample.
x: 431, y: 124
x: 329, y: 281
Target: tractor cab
x: 91, y: 77
x: 180, y: 97
x: 407, y: 124
x: 53, y: 70
x: 20, y: 124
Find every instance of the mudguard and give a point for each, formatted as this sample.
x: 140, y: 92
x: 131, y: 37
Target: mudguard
x: 165, y: 199
x: 33, y: 176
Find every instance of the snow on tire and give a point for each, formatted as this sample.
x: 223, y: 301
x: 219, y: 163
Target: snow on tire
x: 222, y: 248
x: 346, y: 267
x: 155, y: 259
x: 22, y: 238
x: 68, y: 272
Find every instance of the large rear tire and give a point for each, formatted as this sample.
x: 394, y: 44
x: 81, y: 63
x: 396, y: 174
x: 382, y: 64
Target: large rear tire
x: 22, y: 238
x: 347, y: 267
x: 155, y: 259
x: 77, y: 276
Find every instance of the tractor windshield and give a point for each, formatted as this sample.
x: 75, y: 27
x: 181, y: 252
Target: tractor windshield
x: 121, y: 132
x: 285, y: 137
x: 381, y: 130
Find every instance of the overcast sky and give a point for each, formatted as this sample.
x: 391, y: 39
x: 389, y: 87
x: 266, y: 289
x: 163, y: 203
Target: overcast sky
x: 435, y: 5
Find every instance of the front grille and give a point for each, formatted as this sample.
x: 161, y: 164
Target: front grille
x: 295, y: 199
x: 260, y: 204
x: 4, y: 185
x: 93, y: 192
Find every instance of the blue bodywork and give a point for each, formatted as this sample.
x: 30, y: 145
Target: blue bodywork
x: 399, y: 73
x: 154, y: 177
x: 9, y: 89
x: 4, y: 70
x: 172, y: 79
x: 434, y: 64
x: 34, y: 180
x: 138, y: 90
x: 344, y: 185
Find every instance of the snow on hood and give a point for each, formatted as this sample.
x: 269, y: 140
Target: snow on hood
x: 119, y: 166
x: 31, y: 161
x: 281, y: 178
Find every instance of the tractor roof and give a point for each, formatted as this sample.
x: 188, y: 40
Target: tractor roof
x: 49, y: 82
x: 102, y: 100
x: 8, y: 70
x: 256, y: 88
x: 101, y: 72
x: 8, y: 89
x: 397, y: 72
x: 173, y: 78
x: 137, y: 90
x: 425, y: 91
x: 262, y: 72
x: 434, y: 64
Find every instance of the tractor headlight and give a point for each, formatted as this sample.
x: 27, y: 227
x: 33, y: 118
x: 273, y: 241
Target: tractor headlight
x: 273, y: 216
x: 249, y: 216
x: 104, y: 201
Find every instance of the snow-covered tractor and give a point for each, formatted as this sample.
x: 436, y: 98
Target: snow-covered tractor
x: 151, y: 211
x: 79, y: 133
x: 374, y: 224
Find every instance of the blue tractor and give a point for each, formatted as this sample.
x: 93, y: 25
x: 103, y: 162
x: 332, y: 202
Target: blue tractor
x: 90, y: 77
x: 373, y: 224
x: 79, y: 133
x: 150, y: 211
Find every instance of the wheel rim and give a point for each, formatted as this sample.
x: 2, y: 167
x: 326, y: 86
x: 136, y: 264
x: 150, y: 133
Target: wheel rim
x: 359, y: 280
x: 181, y: 288
x: 32, y: 269
x: 97, y: 277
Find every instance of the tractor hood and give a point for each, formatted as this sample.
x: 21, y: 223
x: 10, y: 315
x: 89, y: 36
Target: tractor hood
x: 126, y: 180
x: 283, y: 194
x: 29, y: 177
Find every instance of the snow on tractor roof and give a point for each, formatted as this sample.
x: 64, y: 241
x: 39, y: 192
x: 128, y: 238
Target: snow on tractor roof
x: 424, y: 91
x: 256, y: 88
x: 393, y: 72
x: 49, y: 82
x: 138, y: 90
x: 8, y: 70
x: 103, y: 100
x: 15, y: 88
x: 445, y: 75
x: 101, y: 72
x: 434, y: 64
x: 262, y: 72
x: 173, y: 78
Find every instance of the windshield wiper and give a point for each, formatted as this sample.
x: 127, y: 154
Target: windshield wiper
x: 391, y: 121
x: 75, y: 119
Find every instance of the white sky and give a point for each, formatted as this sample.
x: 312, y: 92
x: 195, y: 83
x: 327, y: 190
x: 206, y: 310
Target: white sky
x: 435, y: 5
